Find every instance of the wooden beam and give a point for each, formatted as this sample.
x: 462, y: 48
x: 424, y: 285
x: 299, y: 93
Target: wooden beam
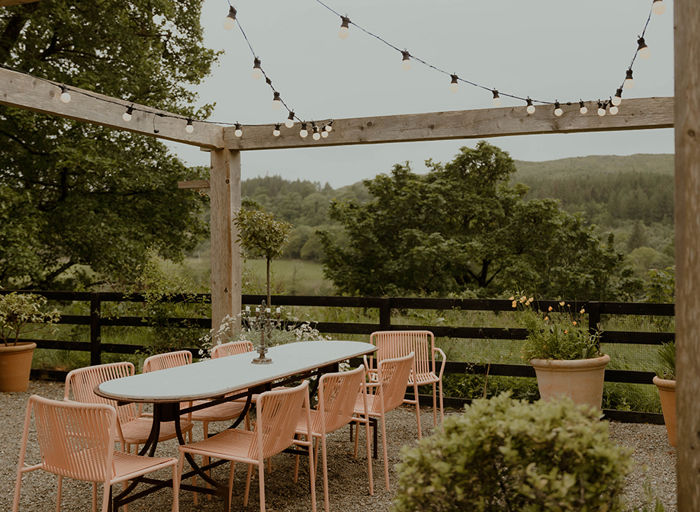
x: 193, y: 184
x: 30, y: 93
x: 687, y: 220
x: 225, y: 194
x: 8, y: 3
x: 634, y: 114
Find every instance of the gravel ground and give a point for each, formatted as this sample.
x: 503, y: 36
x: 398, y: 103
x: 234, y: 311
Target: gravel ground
x: 349, y: 491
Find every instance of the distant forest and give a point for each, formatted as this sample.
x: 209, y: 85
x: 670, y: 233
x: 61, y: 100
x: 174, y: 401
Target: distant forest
x: 630, y: 196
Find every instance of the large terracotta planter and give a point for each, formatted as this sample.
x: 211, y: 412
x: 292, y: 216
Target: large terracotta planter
x: 580, y: 379
x: 667, y: 394
x: 15, y: 366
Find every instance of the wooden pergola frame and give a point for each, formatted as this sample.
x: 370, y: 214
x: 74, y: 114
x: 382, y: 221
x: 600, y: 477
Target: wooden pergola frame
x: 682, y: 112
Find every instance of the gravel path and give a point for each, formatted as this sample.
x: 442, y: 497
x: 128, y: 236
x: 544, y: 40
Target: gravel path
x: 348, y: 478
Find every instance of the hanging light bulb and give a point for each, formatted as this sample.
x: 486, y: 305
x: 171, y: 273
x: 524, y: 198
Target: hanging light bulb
x: 126, y: 116
x: 454, y: 85
x: 190, y: 127
x: 530, y: 107
x: 629, y: 82
x: 238, y: 132
x: 276, y: 101
x: 290, y: 120
x: 257, y: 70
x: 304, y: 132
x: 601, y: 110
x: 329, y: 126
x: 643, y: 49
x: 344, y: 31
x: 557, y: 109
x: 317, y: 134
x: 65, y: 95
x: 583, y: 109
x: 324, y: 134
x: 658, y: 7
x: 230, y: 20
x: 496, y: 98
x: 617, y: 99
x: 276, y: 131
x: 406, y: 62
x: 613, y: 110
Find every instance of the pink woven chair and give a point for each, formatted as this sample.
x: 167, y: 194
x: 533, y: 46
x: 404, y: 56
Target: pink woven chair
x: 131, y: 427
x: 389, y: 390
x: 76, y: 441
x: 337, y: 394
x: 231, y: 349
x: 274, y: 432
x: 422, y: 343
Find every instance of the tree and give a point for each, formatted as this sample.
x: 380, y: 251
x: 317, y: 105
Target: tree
x: 462, y: 227
x: 80, y: 195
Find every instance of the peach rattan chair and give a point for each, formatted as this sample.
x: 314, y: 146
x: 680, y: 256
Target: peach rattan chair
x: 389, y: 390
x: 231, y: 349
x: 131, y: 427
x: 76, y: 441
x: 337, y: 394
x: 400, y: 343
x: 275, y: 427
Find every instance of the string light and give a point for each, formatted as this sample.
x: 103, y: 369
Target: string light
x: 658, y: 7
x: 329, y: 126
x: 276, y: 101
x: 454, y: 85
x: 230, y: 20
x: 126, y: 116
x: 496, y: 98
x: 530, y: 107
x: 316, y: 135
x: 344, y: 31
x: 238, y: 132
x: 304, y: 132
x: 324, y: 134
x: 617, y: 99
x: 557, y: 109
x: 643, y: 49
x: 190, y: 127
x: 257, y: 70
x: 583, y: 109
x: 290, y: 120
x: 601, y: 109
x: 276, y: 131
x: 65, y: 95
x: 629, y: 82
x: 613, y: 108
x: 406, y: 62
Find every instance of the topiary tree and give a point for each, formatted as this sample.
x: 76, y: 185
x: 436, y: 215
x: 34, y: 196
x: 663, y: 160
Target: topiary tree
x: 506, y: 455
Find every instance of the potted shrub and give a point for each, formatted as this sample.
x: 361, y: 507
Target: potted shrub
x: 665, y: 381
x: 17, y: 311
x: 565, y: 354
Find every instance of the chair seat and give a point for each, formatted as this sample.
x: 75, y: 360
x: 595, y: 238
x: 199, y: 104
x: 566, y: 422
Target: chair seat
x: 360, y: 405
x: 128, y: 466
x: 424, y: 378
x: 218, y: 412
x: 137, y: 431
x: 229, y: 443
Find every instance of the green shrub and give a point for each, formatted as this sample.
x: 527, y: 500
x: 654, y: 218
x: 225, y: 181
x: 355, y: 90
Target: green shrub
x: 508, y: 455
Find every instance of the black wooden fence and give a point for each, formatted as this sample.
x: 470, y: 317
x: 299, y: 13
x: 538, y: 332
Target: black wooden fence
x: 385, y: 306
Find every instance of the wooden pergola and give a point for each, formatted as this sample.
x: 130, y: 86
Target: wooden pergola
x: 682, y: 112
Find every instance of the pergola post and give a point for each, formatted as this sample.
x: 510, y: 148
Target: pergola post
x: 225, y: 194
x: 687, y: 216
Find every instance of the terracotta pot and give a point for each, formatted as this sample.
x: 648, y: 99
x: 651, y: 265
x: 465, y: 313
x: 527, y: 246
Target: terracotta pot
x: 15, y: 366
x: 667, y: 394
x: 580, y: 379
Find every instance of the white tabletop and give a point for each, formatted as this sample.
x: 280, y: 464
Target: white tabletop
x: 216, y: 377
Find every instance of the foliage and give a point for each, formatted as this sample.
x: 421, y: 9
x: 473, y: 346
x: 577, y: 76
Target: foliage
x: 508, y: 455
x: 83, y: 195
x: 464, y: 227
x: 667, y: 361
x: 556, y: 334
x: 661, y: 286
x: 17, y: 310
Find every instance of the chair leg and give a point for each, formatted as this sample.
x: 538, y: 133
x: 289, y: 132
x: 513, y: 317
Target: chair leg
x: 194, y: 477
x: 386, y: 456
x: 94, y: 496
x: 356, y: 438
x: 177, y: 474
x: 106, y: 497
x: 434, y: 405
x: 261, y: 483
x: 231, y: 475
x: 442, y: 417
x: 369, y: 457
x: 58, y: 495
x: 325, y: 472
x: 247, y: 485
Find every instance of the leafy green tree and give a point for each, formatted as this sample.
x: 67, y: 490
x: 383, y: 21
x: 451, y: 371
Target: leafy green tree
x: 463, y: 227
x: 79, y: 195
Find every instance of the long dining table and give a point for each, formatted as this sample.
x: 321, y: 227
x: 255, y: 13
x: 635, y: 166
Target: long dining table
x: 213, y: 381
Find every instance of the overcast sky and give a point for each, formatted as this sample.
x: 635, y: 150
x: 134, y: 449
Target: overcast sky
x: 545, y: 49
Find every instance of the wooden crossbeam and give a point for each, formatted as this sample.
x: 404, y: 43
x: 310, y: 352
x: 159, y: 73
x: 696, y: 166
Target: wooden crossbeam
x: 634, y: 114
x: 8, y: 3
x: 24, y: 91
x: 196, y: 184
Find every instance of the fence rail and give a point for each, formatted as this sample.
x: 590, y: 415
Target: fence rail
x: 385, y: 305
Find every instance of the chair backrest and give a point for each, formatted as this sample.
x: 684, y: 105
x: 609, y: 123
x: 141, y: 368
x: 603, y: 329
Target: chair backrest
x: 391, y: 344
x: 393, y: 379
x: 167, y: 360
x: 82, y: 382
x: 337, y: 394
x: 231, y: 349
x: 278, y: 413
x: 76, y: 440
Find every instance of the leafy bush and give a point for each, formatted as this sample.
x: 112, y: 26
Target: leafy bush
x: 667, y: 356
x: 508, y: 455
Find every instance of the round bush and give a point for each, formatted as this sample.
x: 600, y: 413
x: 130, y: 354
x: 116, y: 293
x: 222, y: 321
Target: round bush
x: 508, y: 455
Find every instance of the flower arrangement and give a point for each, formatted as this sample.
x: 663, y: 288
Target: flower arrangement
x: 556, y: 334
x: 19, y: 309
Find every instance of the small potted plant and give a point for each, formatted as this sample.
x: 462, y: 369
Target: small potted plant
x: 17, y: 310
x: 665, y: 381
x: 565, y: 354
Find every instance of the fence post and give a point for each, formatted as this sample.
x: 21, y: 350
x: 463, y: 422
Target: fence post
x: 95, y: 334
x: 385, y: 314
